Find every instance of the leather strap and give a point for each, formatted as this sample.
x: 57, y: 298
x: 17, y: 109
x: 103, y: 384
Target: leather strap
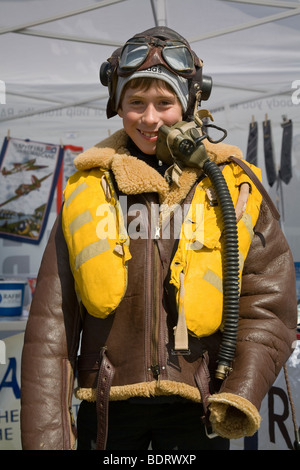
x: 259, y: 186
x: 105, y: 377
x: 202, y: 378
x: 106, y: 373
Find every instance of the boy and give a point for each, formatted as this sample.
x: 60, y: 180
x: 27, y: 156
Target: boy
x: 112, y: 275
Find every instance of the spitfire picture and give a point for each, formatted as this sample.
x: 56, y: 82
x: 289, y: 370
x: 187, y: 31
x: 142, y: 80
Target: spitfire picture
x: 27, y: 166
x: 28, y: 176
x: 26, y: 188
x: 22, y: 224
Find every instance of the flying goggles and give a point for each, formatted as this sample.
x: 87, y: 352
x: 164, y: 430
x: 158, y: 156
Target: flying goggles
x: 144, y: 52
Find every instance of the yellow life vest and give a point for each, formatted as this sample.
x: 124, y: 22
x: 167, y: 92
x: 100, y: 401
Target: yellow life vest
x: 196, y: 269
x: 97, y: 241
x: 98, y: 246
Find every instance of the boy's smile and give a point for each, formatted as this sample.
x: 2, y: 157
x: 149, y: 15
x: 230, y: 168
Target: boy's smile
x: 145, y: 111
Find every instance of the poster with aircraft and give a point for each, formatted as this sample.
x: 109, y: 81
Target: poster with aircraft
x: 28, y: 177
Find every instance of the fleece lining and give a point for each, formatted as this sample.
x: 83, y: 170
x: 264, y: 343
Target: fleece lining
x: 233, y: 416
x: 134, y: 176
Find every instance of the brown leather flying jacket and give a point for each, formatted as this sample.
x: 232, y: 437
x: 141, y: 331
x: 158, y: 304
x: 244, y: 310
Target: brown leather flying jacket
x: 130, y: 353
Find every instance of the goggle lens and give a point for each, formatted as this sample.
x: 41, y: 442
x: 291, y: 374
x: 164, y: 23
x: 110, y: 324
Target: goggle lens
x: 178, y: 58
x: 133, y: 55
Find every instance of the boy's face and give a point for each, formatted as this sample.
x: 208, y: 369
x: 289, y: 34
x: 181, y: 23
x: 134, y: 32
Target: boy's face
x: 145, y: 111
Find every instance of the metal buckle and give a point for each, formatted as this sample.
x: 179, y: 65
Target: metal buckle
x: 209, y: 432
x: 180, y: 352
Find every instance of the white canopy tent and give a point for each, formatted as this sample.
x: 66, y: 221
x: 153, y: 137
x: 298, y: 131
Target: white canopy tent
x: 51, y: 51
x: 50, y: 55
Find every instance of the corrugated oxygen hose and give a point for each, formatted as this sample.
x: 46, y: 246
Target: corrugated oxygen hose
x: 230, y: 269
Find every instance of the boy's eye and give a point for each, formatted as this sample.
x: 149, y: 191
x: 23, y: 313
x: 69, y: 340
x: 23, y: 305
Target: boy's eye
x: 165, y: 102
x: 135, y: 102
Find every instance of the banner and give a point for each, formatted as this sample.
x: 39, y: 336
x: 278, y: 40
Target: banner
x: 10, y: 392
x: 29, y: 172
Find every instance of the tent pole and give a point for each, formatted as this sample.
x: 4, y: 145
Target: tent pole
x: 64, y: 37
x: 159, y: 12
x: 267, y: 3
x: 154, y: 12
x: 104, y: 3
x: 251, y: 24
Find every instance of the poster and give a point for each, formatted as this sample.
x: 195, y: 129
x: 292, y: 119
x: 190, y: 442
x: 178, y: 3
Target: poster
x: 67, y: 170
x: 28, y: 177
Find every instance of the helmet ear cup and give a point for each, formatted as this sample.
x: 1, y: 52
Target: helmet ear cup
x: 206, y: 87
x: 104, y: 73
x: 108, y: 78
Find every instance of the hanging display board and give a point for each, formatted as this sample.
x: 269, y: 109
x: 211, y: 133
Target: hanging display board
x: 28, y: 177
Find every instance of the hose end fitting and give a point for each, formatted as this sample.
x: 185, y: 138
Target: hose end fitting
x: 222, y: 371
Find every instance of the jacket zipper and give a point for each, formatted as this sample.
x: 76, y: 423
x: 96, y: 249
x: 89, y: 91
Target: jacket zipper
x: 156, y: 320
x: 154, y: 333
x: 152, y: 310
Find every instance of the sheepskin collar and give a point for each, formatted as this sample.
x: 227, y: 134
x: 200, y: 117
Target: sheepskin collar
x: 134, y: 176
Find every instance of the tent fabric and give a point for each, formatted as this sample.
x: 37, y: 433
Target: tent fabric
x: 50, y: 56
x: 51, y: 52
x: 249, y: 49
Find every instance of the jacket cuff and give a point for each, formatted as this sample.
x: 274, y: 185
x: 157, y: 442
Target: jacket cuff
x: 232, y: 416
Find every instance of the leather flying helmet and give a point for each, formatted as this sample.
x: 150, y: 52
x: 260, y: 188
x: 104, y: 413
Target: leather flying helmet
x: 156, y: 46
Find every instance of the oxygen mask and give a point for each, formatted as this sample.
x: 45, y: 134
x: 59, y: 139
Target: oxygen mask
x: 182, y: 143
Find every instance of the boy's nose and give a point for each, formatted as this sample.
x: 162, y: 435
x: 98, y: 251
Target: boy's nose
x: 150, y: 115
